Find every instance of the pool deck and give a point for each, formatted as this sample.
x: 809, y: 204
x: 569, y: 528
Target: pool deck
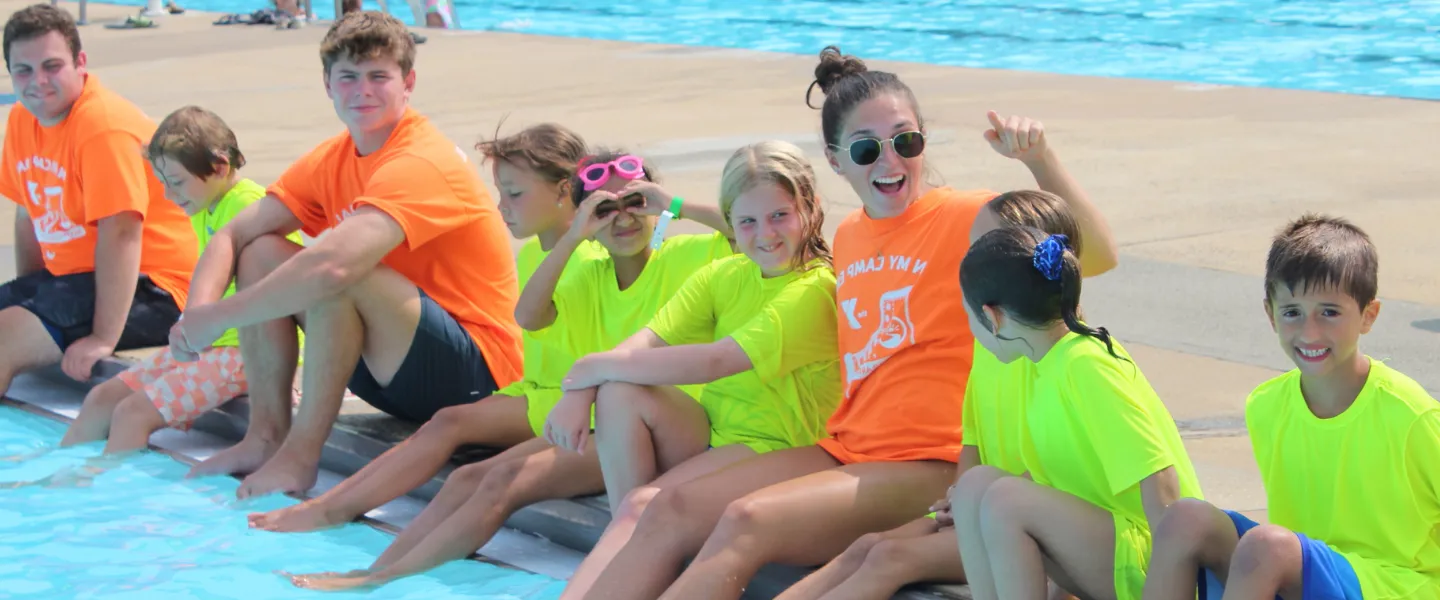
x: 1193, y: 179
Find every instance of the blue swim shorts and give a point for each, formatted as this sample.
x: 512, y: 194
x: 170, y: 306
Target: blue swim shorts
x: 1324, y: 575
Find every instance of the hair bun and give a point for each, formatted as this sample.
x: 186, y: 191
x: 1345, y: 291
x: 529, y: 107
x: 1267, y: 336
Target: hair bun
x: 834, y: 67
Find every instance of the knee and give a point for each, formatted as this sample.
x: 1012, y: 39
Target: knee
x: 635, y: 503
x: 261, y: 256
x: 136, y: 410
x: 664, y: 514
x: 891, y: 555
x: 859, y: 551
x: 104, y: 398
x: 1265, y: 545
x: 965, y: 497
x: 1187, y: 523
x: 469, y: 475
x: 616, y: 397
x: 500, y: 478
x: 1003, y: 499
x: 743, y: 516
x: 446, y: 424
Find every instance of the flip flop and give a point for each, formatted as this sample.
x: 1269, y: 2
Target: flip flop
x: 233, y: 19
x: 133, y: 23
x: 174, y: 8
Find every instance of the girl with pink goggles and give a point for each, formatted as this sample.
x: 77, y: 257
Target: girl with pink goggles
x: 595, y: 175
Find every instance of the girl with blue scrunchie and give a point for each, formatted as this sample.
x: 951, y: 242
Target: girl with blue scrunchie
x: 1106, y: 458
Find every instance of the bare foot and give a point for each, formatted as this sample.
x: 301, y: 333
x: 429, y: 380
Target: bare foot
x: 333, y: 582
x: 282, y: 473
x: 241, y: 459
x: 306, y: 516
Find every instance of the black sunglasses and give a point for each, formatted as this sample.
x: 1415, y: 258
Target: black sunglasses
x: 866, y: 151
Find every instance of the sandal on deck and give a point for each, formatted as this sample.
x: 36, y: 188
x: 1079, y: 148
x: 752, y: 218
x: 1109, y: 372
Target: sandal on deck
x: 133, y: 22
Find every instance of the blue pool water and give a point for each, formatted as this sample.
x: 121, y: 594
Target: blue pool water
x: 141, y: 531
x: 1377, y: 47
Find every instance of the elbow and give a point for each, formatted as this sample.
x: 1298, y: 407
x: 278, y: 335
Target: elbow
x: 336, y: 278
x: 1107, y: 261
x: 533, y: 320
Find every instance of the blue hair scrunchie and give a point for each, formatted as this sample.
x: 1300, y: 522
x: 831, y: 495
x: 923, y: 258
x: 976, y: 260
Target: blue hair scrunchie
x: 1050, y: 256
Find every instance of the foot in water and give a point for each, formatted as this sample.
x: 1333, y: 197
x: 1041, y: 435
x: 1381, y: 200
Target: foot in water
x: 282, y: 473
x: 332, y: 581
x: 306, y: 516
x: 37, y: 453
x: 241, y: 459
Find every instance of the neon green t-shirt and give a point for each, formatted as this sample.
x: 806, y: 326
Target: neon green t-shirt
x: 994, y: 411
x: 594, y: 315
x: 207, y: 222
x: 545, y: 363
x: 1098, y: 429
x: 786, y: 326
x: 1366, y: 482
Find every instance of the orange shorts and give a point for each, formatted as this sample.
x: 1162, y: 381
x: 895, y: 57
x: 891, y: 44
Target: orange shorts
x: 182, y: 391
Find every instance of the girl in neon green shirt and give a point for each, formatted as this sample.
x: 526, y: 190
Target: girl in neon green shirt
x: 1105, y: 458
x: 574, y: 306
x: 757, y: 331
x: 924, y: 550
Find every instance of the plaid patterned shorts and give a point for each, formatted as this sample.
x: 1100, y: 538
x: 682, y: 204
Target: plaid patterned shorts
x: 182, y: 391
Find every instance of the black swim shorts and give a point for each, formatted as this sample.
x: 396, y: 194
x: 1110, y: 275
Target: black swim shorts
x: 65, y: 304
x: 443, y: 368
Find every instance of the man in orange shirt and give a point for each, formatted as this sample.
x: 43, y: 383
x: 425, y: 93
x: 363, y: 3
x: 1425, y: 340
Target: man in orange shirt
x: 102, y: 259
x: 410, y: 296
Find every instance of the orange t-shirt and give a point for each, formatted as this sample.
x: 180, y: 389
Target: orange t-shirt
x: 88, y: 167
x: 456, y: 247
x: 904, y: 338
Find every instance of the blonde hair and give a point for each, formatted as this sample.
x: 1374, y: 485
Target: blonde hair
x: 782, y: 164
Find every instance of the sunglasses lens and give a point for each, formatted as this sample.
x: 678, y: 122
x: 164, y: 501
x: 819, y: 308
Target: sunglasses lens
x: 864, y: 152
x: 909, y: 144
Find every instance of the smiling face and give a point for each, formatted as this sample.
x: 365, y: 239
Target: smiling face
x: 629, y: 233
x: 768, y: 228
x: 192, y: 194
x: 528, y: 203
x: 890, y: 184
x: 46, y: 76
x: 370, y: 95
x: 1319, y: 327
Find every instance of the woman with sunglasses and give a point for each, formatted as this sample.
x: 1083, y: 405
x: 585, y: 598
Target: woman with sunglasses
x: 598, y: 303
x: 905, y: 352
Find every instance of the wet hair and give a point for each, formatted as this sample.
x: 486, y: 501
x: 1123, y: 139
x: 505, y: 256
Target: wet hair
x: 37, y: 20
x: 1319, y: 251
x: 198, y: 139
x: 1038, y: 209
x: 549, y: 150
x: 1000, y: 271
x: 784, y: 165
x: 846, y: 83
x: 602, y: 155
x: 368, y: 35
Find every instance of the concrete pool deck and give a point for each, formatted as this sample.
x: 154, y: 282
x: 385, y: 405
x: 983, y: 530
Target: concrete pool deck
x: 1193, y: 179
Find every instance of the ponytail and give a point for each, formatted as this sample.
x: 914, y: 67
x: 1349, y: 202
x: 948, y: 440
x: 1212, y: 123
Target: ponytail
x: 1056, y: 260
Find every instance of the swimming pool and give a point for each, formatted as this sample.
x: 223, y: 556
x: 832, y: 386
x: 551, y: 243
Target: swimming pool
x: 1376, y: 47
x: 141, y: 530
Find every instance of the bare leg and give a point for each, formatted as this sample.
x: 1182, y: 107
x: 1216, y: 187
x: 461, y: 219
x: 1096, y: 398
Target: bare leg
x: 642, y: 431
x: 1267, y: 562
x: 495, y: 421
x: 840, y: 574
x: 135, y: 419
x: 270, y: 351
x: 1192, y: 535
x: 1025, y: 523
x: 807, y: 521
x: 508, y: 487
x: 375, y: 319
x: 632, y: 507
x: 965, y: 502
x: 896, y: 563
x: 93, y: 422
x: 27, y: 345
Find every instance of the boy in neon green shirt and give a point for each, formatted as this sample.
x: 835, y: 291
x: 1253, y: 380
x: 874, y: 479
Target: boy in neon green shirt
x: 197, y: 157
x: 1347, y: 448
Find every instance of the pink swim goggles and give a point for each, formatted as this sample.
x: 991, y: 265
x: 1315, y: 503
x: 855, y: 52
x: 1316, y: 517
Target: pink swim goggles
x: 595, y: 175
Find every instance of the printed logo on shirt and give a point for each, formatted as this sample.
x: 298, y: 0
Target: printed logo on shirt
x: 53, y: 226
x: 892, y: 329
x: 345, y: 214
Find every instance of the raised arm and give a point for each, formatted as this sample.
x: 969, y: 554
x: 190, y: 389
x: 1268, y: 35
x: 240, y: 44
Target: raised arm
x: 28, y: 256
x: 535, y: 310
x: 1024, y: 139
x: 658, y: 200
